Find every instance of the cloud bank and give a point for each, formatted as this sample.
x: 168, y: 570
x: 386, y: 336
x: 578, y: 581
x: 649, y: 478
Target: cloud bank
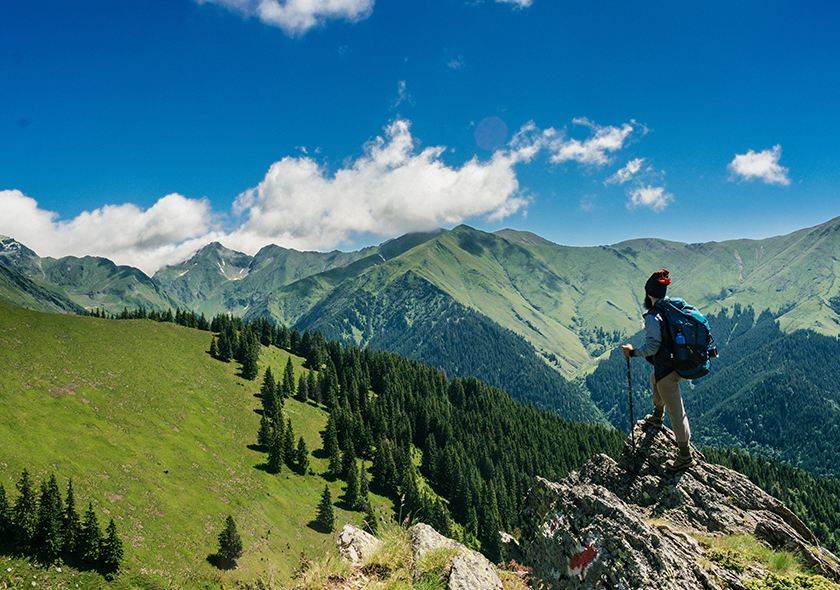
x: 168, y: 231
x: 391, y: 188
x: 296, y: 17
x: 762, y: 166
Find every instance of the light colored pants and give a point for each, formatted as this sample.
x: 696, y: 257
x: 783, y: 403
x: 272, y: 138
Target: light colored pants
x: 666, y: 393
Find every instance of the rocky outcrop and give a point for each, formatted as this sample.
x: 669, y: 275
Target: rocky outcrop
x: 464, y: 569
x: 633, y: 524
x: 356, y: 545
x: 469, y: 570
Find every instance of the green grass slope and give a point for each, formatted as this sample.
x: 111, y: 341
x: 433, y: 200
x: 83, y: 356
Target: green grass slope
x: 156, y: 434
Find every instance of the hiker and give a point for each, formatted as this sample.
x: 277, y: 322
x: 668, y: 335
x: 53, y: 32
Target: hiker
x: 665, y: 381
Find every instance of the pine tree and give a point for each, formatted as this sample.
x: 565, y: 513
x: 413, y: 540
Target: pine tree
x: 331, y: 447
x: 348, y: 460
x: 111, y: 552
x: 275, y: 452
x: 364, y: 492
x: 289, y: 444
x: 230, y: 543
x: 302, y: 391
x: 326, y: 516
x: 47, y: 539
x: 249, y: 354
x: 351, y: 490
x: 267, y: 393
x: 70, y: 525
x: 214, y: 350
x: 264, y: 433
x: 289, y: 379
x: 302, y: 457
x: 90, y: 538
x: 5, y: 518
x: 312, y: 387
x: 24, y: 513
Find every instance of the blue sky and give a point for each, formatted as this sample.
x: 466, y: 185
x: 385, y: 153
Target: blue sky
x: 123, y: 103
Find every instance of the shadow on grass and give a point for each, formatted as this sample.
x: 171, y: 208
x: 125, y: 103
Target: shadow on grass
x: 220, y: 562
x: 257, y: 448
x: 316, y: 526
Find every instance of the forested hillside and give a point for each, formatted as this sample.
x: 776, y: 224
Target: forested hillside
x: 166, y: 440
x: 770, y: 392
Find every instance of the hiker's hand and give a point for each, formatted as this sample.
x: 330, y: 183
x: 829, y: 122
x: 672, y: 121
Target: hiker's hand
x: 627, y: 349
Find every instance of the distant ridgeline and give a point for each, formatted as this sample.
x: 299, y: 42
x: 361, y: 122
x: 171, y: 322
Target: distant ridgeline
x: 478, y: 448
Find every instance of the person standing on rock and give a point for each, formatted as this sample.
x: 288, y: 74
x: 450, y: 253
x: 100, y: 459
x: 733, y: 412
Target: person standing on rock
x: 665, y: 381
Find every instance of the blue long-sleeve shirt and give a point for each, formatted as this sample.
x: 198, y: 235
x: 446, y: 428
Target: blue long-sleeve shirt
x: 654, y: 350
x: 653, y: 335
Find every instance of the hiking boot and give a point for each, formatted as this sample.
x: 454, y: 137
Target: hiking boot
x: 680, y: 464
x: 683, y: 461
x: 653, y: 420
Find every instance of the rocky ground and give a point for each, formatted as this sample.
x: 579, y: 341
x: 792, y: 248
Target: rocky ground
x: 627, y: 525
x: 632, y: 524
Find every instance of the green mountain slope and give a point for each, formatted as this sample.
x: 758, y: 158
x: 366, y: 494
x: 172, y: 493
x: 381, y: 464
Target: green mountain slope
x: 155, y: 433
x: 17, y: 289
x: 95, y: 282
x: 89, y: 282
x: 193, y: 280
x: 574, y: 303
x: 218, y: 279
x: 414, y: 318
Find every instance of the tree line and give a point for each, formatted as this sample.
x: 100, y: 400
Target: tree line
x: 47, y: 527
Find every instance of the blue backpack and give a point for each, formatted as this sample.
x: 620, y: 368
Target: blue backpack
x: 688, y: 338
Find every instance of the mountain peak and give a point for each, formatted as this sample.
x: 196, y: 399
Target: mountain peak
x: 600, y: 526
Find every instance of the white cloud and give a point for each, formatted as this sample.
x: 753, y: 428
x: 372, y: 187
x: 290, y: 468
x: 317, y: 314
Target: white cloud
x: 594, y: 150
x: 390, y: 189
x: 146, y: 238
x: 296, y: 17
x: 517, y: 3
x: 653, y: 197
x: 626, y: 172
x: 402, y: 94
x: 763, y: 166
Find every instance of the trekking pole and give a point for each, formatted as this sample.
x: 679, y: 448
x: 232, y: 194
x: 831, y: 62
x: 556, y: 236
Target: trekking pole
x: 630, y: 405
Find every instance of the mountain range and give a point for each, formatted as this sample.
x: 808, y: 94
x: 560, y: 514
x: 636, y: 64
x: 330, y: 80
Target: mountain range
x: 523, y: 313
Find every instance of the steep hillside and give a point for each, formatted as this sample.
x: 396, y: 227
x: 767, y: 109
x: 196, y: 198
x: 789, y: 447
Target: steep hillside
x: 770, y: 392
x: 156, y: 434
x: 193, y: 280
x: 18, y: 289
x: 89, y: 282
x: 218, y: 279
x: 413, y: 317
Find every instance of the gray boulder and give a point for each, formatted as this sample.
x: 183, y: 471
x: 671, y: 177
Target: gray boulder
x: 356, y: 545
x: 469, y: 569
